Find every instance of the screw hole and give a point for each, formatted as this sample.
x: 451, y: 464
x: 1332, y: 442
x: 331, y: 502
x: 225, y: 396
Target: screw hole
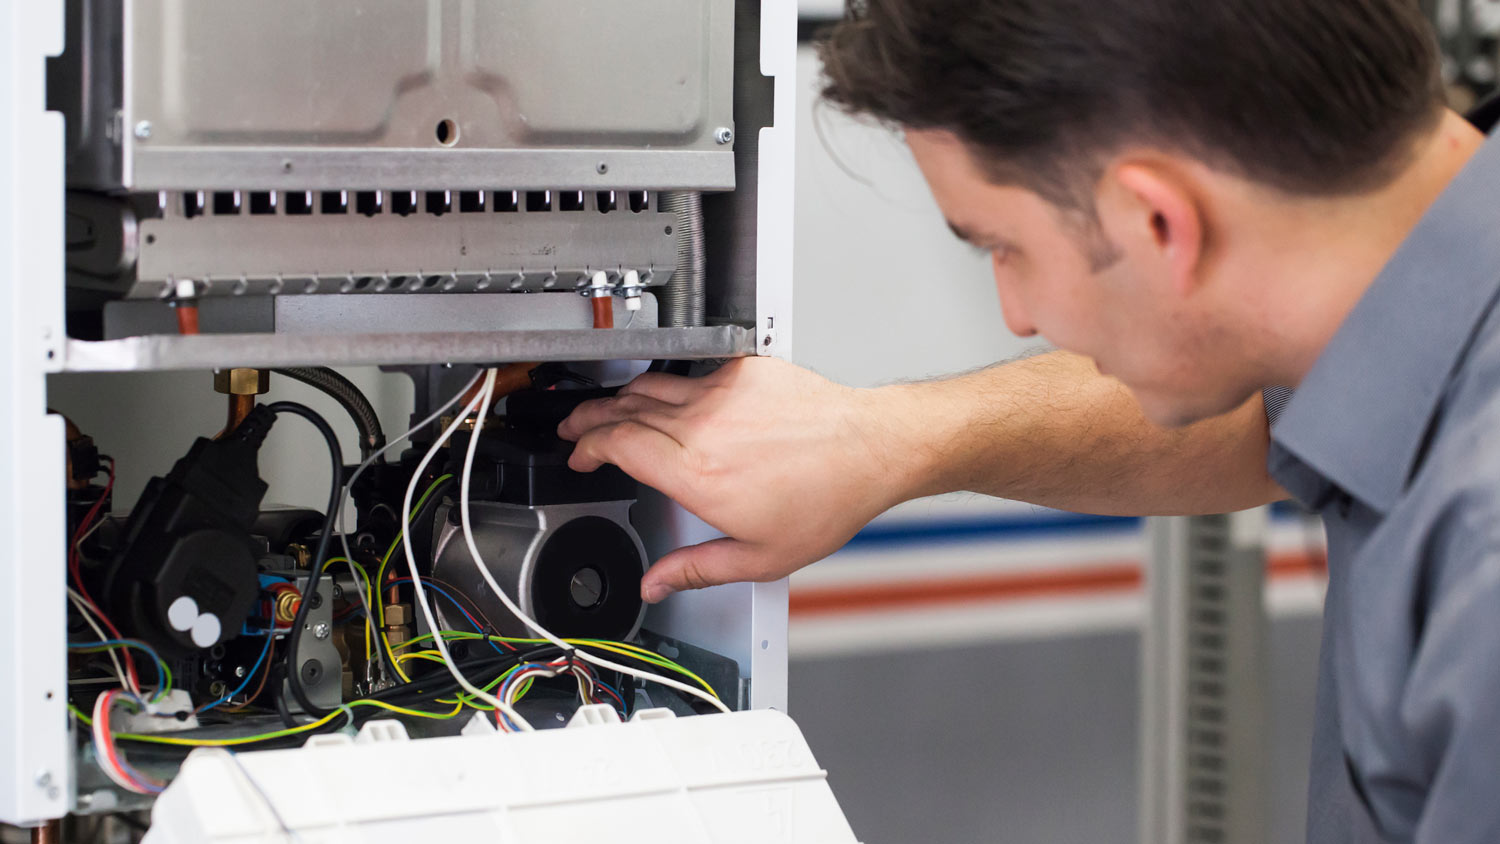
x: 150, y: 238
x: 49, y: 694
x: 447, y: 132
x: 765, y: 644
x: 669, y: 229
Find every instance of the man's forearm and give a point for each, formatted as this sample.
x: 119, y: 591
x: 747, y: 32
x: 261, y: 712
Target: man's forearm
x: 1052, y: 431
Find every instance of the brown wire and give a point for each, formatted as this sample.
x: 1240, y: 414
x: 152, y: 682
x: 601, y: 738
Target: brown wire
x: 264, y: 675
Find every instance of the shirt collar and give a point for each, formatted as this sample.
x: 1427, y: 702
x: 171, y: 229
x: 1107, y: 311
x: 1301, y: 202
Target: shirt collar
x: 1360, y: 416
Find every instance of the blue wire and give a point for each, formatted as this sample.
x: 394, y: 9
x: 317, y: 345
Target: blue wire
x: 611, y: 689
x: 427, y: 584
x: 157, y: 662
x: 140, y: 780
x: 248, y: 676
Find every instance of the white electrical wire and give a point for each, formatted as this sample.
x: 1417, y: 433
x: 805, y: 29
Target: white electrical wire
x: 481, y: 401
x: 531, y: 623
x: 364, y: 599
x: 83, y: 609
x: 96, y: 729
x: 103, y: 740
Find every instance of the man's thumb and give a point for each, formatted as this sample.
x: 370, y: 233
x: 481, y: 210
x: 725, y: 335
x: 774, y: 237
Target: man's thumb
x: 699, y: 566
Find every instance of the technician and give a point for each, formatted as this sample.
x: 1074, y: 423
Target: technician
x: 1199, y: 202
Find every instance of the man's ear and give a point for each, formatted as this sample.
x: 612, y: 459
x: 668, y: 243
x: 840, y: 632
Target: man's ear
x: 1152, y: 211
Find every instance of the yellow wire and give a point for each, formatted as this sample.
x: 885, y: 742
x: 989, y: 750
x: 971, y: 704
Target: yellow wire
x: 379, y: 621
x: 374, y: 598
x: 395, y: 663
x: 415, y: 508
x: 622, y: 648
x: 459, y: 703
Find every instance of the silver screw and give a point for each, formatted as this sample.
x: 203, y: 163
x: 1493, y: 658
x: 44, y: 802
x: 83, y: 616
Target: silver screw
x: 321, y: 630
x: 143, y: 130
x: 239, y: 671
x: 44, y: 778
x: 723, y: 134
x: 602, y: 168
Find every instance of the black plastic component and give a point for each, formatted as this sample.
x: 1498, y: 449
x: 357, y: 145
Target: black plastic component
x: 588, y: 580
x: 526, y: 463
x: 83, y: 458
x: 190, y: 536
x: 284, y: 526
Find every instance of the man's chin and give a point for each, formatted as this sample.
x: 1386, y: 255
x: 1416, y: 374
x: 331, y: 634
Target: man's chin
x: 1166, y: 412
x: 1178, y: 411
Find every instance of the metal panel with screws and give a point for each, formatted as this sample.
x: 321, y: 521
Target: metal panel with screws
x: 225, y: 94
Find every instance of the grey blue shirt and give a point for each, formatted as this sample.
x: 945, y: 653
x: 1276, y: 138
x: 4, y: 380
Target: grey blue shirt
x: 1394, y: 439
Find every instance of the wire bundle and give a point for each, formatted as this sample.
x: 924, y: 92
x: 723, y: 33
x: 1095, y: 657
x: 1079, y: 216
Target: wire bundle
x: 509, y: 669
x: 110, y: 760
x: 489, y: 578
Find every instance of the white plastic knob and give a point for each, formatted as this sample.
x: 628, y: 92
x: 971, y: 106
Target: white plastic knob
x: 206, y: 630
x: 183, y: 614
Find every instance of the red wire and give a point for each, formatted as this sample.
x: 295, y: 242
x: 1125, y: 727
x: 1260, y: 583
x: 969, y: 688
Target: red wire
x: 109, y: 746
x: 73, y: 569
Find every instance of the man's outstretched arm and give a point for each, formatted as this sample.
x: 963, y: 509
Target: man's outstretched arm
x: 790, y: 465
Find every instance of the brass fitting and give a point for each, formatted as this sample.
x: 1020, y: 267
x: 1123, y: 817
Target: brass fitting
x: 396, y: 615
x: 286, y: 607
x: 301, y: 554
x: 242, y: 382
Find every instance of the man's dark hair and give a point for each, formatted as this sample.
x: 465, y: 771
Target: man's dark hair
x: 1313, y: 97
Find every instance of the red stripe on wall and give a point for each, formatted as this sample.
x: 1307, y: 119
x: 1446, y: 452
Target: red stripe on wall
x: 1104, y: 578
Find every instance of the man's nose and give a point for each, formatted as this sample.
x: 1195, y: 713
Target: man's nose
x: 1016, y: 317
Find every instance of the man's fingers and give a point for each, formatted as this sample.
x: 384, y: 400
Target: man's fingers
x: 641, y: 451
x: 601, y: 412
x: 673, y: 389
x: 699, y: 566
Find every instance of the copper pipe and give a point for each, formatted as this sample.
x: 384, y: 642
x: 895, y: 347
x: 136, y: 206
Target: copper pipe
x: 48, y: 833
x: 604, y: 312
x: 513, y: 379
x: 187, y: 319
x: 239, y: 408
x: 508, y: 379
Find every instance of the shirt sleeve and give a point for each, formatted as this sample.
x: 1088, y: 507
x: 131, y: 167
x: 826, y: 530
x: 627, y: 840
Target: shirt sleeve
x: 1451, y: 704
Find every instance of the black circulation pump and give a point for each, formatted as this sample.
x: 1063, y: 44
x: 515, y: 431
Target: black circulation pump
x: 184, y: 578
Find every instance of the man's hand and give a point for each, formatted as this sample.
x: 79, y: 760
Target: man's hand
x: 789, y: 465
x: 784, y: 462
